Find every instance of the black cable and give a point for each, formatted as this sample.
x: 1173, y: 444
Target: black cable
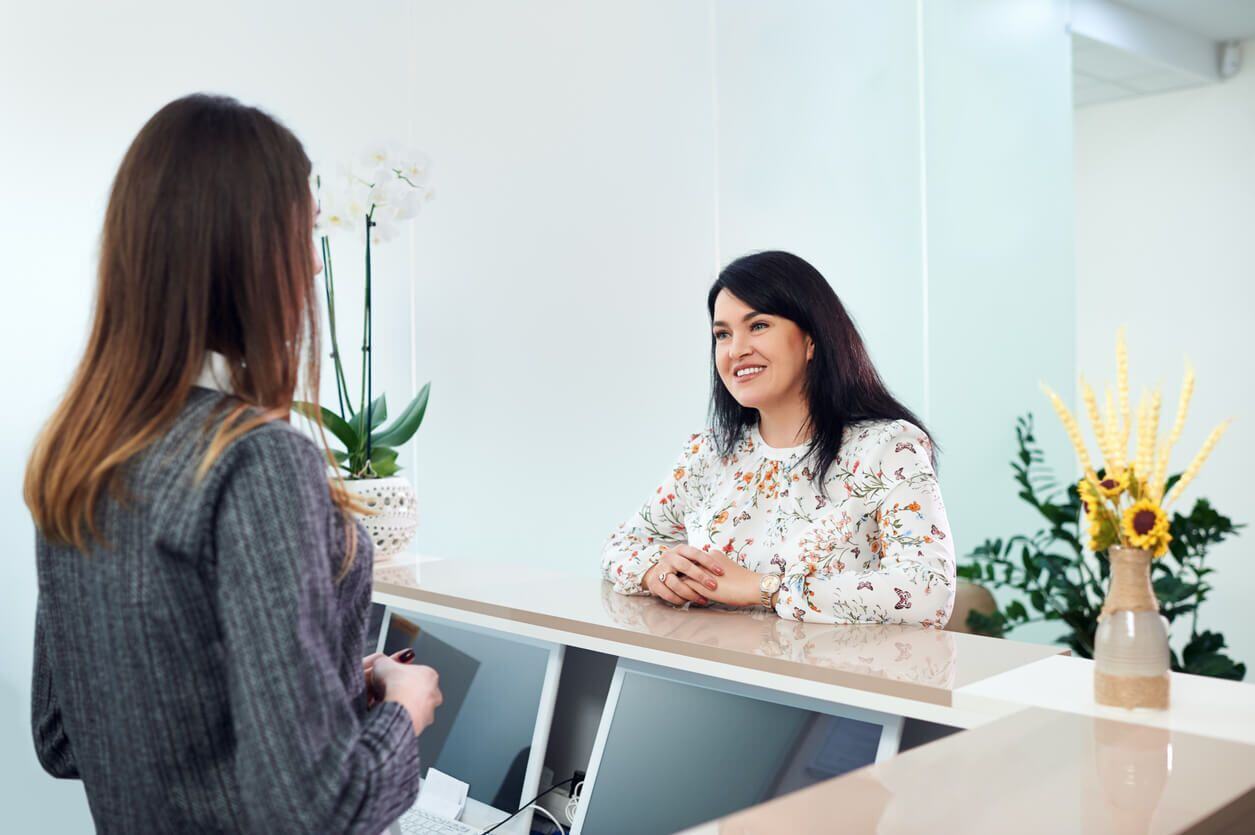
x: 529, y: 803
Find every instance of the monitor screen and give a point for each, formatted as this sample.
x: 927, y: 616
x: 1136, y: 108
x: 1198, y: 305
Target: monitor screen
x: 679, y: 754
x: 492, y: 686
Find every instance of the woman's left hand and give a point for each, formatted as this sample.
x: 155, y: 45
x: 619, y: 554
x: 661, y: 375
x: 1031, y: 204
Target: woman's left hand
x: 738, y: 586
x: 404, y: 656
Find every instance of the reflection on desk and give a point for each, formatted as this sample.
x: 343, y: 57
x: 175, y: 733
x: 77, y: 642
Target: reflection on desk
x: 1037, y: 771
x: 923, y: 666
x: 890, y: 652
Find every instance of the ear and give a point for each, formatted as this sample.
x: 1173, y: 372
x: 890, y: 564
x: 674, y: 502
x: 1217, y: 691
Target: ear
x: 810, y: 349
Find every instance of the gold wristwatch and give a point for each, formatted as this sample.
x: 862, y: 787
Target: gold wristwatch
x: 767, y: 588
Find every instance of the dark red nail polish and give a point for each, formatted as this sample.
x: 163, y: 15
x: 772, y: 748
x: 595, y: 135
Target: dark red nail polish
x: 406, y: 656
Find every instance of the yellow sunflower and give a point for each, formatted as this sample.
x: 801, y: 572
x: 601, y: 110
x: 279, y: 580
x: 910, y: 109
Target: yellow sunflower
x: 1145, y: 526
x: 1114, y: 483
x: 1089, y: 497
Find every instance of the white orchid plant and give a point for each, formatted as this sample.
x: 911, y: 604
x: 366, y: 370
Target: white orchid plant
x: 369, y: 202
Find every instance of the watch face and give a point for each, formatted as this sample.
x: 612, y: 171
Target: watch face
x: 771, y: 583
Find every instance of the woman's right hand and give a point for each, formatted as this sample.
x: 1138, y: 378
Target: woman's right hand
x: 414, y: 687
x: 665, y: 578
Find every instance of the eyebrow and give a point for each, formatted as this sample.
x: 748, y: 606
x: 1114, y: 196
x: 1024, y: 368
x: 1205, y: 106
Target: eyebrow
x: 745, y: 318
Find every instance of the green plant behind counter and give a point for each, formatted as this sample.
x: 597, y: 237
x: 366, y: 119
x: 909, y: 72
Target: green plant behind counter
x: 1060, y: 581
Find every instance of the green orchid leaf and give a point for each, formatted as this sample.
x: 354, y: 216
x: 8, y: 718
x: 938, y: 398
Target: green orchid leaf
x: 383, y: 460
x: 379, y: 411
x: 407, y: 424
x: 336, y: 424
x: 378, y: 414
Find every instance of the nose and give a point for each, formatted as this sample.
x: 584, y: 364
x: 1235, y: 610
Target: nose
x: 738, y: 347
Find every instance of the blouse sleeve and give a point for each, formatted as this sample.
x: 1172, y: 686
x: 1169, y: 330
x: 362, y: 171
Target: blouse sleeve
x: 912, y: 576
x: 638, y: 543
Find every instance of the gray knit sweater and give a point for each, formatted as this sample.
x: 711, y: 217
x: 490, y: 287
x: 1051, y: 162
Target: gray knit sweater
x: 202, y: 672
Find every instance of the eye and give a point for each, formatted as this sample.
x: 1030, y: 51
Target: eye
x: 758, y: 325
x: 720, y: 335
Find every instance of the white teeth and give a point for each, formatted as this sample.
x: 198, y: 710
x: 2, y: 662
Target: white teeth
x: 745, y: 371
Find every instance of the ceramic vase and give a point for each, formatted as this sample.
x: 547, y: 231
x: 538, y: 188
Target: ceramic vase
x: 1131, y: 658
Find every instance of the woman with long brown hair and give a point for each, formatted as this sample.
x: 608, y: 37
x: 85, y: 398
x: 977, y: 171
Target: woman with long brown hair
x: 202, y: 585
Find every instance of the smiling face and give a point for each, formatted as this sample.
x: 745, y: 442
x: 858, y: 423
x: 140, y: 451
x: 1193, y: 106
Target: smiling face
x: 760, y: 358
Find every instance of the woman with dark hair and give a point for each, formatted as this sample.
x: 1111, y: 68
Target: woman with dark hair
x: 202, y: 586
x: 814, y: 491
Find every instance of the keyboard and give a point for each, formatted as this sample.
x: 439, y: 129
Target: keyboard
x: 421, y: 822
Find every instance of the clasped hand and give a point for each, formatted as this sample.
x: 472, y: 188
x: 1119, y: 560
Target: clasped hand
x: 685, y: 574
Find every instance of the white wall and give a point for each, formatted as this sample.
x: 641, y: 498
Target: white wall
x: 999, y: 277
x: 562, y: 268
x: 77, y: 80
x: 1165, y: 201
x: 819, y: 140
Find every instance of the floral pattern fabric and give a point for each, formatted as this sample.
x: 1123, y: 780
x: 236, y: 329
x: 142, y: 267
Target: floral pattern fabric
x: 873, y: 547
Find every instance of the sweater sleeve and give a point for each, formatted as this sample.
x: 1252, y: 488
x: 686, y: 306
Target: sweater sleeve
x: 52, y: 746
x: 638, y: 543
x: 306, y: 761
x: 912, y: 576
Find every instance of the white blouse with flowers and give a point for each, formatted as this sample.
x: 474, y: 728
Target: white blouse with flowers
x: 876, y: 549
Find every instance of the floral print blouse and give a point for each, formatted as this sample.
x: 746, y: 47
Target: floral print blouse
x: 876, y: 549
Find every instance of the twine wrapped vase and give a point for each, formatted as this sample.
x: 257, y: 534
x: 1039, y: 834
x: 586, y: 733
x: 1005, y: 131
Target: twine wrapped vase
x: 394, y: 513
x: 1131, y: 657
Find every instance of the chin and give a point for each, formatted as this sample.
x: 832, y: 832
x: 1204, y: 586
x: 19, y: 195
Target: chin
x: 747, y: 400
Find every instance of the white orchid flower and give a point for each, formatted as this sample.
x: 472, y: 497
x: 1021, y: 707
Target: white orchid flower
x: 383, y: 228
x: 416, y: 169
x: 409, y: 204
x: 385, y: 188
x: 337, y: 217
x: 378, y: 155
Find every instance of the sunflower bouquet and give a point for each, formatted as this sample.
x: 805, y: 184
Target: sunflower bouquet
x: 1124, y: 503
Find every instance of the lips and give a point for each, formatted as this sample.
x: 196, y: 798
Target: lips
x: 746, y: 372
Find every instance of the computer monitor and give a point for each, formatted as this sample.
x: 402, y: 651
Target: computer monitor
x: 499, y: 692
x: 677, y: 749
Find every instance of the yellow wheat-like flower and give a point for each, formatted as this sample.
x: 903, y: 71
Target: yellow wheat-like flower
x: 1145, y: 443
x: 1183, y: 409
x: 1197, y: 464
x: 1122, y: 390
x: 1116, y: 459
x: 1152, y: 430
x: 1070, y: 426
x: 1095, y: 419
x: 1155, y: 486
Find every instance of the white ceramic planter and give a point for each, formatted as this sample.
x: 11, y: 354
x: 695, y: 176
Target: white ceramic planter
x: 395, y: 512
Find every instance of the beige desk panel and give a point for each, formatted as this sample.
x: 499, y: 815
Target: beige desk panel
x: 901, y: 661
x: 1035, y: 772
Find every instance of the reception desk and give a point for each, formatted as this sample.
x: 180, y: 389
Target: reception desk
x: 1037, y: 755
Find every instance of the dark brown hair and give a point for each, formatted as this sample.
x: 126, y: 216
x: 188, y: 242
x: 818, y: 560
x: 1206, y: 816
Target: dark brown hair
x: 842, y: 385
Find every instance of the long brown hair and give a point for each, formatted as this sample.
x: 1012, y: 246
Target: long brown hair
x: 207, y: 246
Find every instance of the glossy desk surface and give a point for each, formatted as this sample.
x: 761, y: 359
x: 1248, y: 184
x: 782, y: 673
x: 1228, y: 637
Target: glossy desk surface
x: 922, y: 665
x: 1041, y: 755
x: 1038, y: 771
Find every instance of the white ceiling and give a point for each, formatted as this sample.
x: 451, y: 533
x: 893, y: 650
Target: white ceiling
x: 1220, y: 20
x: 1103, y: 73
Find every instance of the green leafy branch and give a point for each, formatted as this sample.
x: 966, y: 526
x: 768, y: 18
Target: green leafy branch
x: 1061, y: 581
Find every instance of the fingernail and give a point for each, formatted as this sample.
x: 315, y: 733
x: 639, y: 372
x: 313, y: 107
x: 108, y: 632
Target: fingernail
x: 406, y: 657
x: 710, y: 584
x: 719, y: 571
